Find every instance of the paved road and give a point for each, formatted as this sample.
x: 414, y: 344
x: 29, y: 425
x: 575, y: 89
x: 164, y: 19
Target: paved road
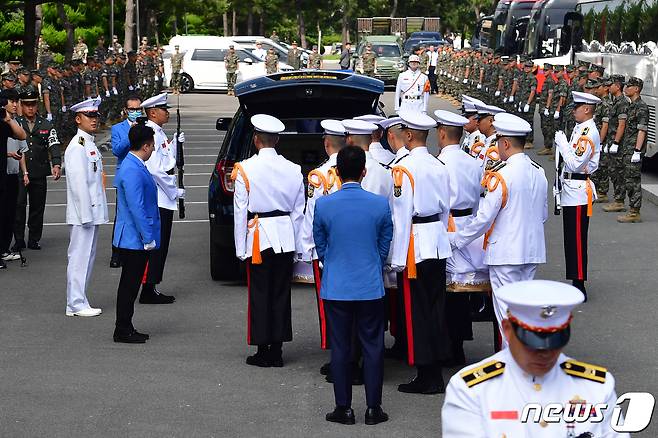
x: 65, y: 377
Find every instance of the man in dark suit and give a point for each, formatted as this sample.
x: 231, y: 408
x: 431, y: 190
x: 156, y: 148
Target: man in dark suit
x: 137, y: 229
x: 352, y: 230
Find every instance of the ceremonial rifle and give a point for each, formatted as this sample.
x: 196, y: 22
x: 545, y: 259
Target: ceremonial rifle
x: 557, y: 186
x: 180, y: 162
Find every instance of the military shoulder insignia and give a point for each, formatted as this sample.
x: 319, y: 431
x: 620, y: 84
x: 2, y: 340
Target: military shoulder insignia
x: 499, y: 166
x: 310, y: 191
x: 584, y: 370
x: 536, y: 164
x: 81, y: 141
x: 483, y: 373
x: 585, y: 131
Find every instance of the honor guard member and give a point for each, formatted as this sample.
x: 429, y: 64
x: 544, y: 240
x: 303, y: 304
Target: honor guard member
x: 42, y: 159
x: 86, y: 206
x: 580, y: 155
x: 473, y: 138
x: 269, y: 211
x: 488, y: 399
x: 413, y: 89
x: 162, y: 165
x: 378, y: 152
x: 487, y: 154
x: 465, y: 269
x: 396, y: 139
x: 321, y: 181
x: 232, y: 64
x: 511, y: 217
x: 421, y: 212
x: 294, y: 56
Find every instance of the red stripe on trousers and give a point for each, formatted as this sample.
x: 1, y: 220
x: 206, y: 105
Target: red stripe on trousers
x: 407, y: 316
x: 248, y: 302
x: 146, y: 271
x: 579, y: 242
x: 323, y: 320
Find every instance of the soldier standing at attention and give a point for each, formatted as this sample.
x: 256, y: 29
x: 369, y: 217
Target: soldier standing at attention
x: 546, y: 101
x: 601, y: 178
x: 581, y: 159
x: 635, y: 144
x: 100, y: 51
x: 369, y: 61
x: 42, y: 159
x: 616, y: 129
x: 271, y: 62
x: 294, y: 56
x: 80, y: 51
x: 131, y: 72
x: 232, y: 64
x: 176, y: 67
x: 413, y: 89
x: 269, y: 211
x: 528, y: 93
x: 424, y: 60
x: 274, y: 37
x: 315, y: 59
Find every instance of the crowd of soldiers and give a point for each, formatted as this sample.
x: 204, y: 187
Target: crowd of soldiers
x: 520, y: 87
x: 109, y: 73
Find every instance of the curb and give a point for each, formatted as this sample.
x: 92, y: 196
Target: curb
x: 650, y: 193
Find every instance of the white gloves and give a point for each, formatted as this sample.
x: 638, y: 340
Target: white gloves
x: 636, y: 158
x: 181, y: 193
x: 556, y: 115
x: 497, y: 93
x: 149, y: 246
x: 605, y: 149
x: 181, y: 137
x: 114, y: 91
x: 479, y: 87
x: 131, y: 88
x: 561, y: 139
x: 107, y: 93
x: 511, y: 99
x: 157, y: 78
x: 526, y: 108
x: 144, y: 82
x: 64, y: 108
x: 505, y: 99
x: 49, y: 117
x: 614, y: 148
x: 547, y: 112
x: 397, y: 268
x: 465, y: 81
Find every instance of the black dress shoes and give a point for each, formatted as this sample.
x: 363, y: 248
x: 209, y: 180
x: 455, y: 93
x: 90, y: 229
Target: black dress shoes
x: 155, y: 297
x: 325, y: 369
x: 375, y: 416
x: 259, y: 359
x: 422, y: 386
x: 20, y: 244
x: 115, y: 262
x: 133, y: 337
x: 33, y: 245
x: 341, y: 415
x: 275, y: 356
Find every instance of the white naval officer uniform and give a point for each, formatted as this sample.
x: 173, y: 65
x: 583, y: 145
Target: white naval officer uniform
x: 512, y: 215
x: 86, y: 209
x: 377, y: 150
x: 412, y: 91
x: 487, y: 399
x: 472, y: 139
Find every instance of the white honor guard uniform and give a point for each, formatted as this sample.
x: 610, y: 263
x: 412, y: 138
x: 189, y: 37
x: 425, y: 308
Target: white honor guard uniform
x: 512, y: 215
x: 162, y: 163
x: 475, y: 138
x: 403, y: 151
x: 268, y: 206
x: 466, y: 269
x: 378, y: 152
x: 487, y: 155
x: 86, y: 209
x: 488, y: 399
x: 412, y: 90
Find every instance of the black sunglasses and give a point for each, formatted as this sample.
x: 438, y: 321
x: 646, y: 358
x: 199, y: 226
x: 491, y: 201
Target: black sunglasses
x: 90, y: 114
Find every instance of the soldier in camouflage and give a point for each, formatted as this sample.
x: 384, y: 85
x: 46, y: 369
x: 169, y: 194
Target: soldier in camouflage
x: 634, y: 147
x: 617, y: 117
x: 527, y: 90
x: 546, y: 102
x: 295, y: 56
x: 159, y: 70
x: 176, y: 67
x: 602, y: 118
x: 52, y: 95
x: 116, y: 46
x: 108, y: 89
x: 231, y: 63
x: 271, y: 62
x: 315, y: 59
x: 424, y: 60
x: 369, y: 61
x: 80, y: 51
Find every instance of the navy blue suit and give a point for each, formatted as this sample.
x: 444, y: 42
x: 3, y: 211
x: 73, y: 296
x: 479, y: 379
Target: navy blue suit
x: 137, y: 224
x: 352, y: 230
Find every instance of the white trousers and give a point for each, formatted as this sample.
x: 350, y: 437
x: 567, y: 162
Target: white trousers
x: 412, y: 105
x: 500, y: 275
x: 81, y: 254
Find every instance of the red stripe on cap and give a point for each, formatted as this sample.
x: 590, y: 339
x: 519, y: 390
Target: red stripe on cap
x: 504, y: 415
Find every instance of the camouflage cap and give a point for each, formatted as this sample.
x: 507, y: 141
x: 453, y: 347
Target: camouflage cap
x: 39, y: 73
x: 606, y: 81
x: 8, y: 76
x: 582, y: 63
x: 231, y: 46
x: 548, y: 66
x: 528, y: 64
x: 23, y: 71
x: 620, y: 79
x: 570, y: 68
x: 596, y: 68
x: 634, y: 82
x: 592, y: 83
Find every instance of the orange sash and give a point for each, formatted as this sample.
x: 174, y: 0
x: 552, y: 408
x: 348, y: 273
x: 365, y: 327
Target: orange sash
x: 398, y: 174
x: 256, y: 258
x: 491, y: 182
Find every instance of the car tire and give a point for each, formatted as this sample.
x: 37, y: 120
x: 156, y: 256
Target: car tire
x: 223, y: 264
x: 186, y: 83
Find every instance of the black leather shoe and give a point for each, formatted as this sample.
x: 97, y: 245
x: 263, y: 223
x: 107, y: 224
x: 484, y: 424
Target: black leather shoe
x: 33, y: 245
x: 144, y: 335
x: 275, y: 357
x: 155, y: 297
x: 325, y: 369
x: 341, y: 415
x: 258, y: 360
x: 20, y: 244
x: 115, y: 262
x: 422, y: 386
x: 375, y: 416
x: 130, y: 338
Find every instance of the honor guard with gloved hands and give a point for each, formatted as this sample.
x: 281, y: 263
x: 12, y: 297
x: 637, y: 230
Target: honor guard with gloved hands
x: 86, y: 206
x: 378, y: 152
x: 488, y: 399
x: 421, y: 211
x: 268, y: 210
x: 513, y: 212
x: 413, y: 88
x: 580, y: 155
x: 162, y: 165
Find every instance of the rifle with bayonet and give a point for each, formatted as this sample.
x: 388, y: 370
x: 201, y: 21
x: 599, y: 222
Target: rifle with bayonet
x: 557, y: 185
x: 180, y: 162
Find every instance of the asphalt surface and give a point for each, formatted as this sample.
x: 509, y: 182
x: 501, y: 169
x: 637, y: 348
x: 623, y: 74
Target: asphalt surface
x: 64, y: 377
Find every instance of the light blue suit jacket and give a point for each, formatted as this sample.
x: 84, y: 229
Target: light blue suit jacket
x: 352, y: 230
x: 120, y: 142
x: 138, y: 218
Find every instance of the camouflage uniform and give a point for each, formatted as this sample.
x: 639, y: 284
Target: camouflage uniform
x: 176, y: 65
x: 271, y: 62
x: 424, y: 61
x: 295, y: 58
x: 314, y: 60
x: 231, y: 59
x: 369, y: 59
x: 50, y: 87
x: 547, y: 121
x: 618, y: 111
x: 638, y: 120
x: 131, y: 75
x: 80, y: 52
x: 601, y: 176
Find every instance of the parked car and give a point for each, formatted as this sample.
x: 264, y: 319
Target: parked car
x: 416, y: 41
x: 301, y: 99
x: 249, y: 43
x: 389, y: 57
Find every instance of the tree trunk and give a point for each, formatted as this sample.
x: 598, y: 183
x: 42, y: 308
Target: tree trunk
x: 70, y: 34
x: 250, y: 23
x: 477, y: 12
x: 225, y: 22
x: 39, y: 21
x: 29, y: 35
x: 261, y: 25
x: 345, y: 28
x: 395, y: 8
x: 129, y: 26
x: 300, y: 23
x: 235, y: 24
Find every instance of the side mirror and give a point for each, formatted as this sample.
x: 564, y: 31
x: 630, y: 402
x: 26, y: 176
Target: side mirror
x: 223, y: 123
x: 249, y: 61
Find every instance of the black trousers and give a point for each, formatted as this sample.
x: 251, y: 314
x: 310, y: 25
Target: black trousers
x: 36, y: 192
x: 428, y: 341
x: 268, y: 311
x: 132, y: 271
x: 8, y: 211
x: 370, y: 319
x: 432, y: 77
x: 158, y: 257
x: 458, y: 316
x: 575, y: 224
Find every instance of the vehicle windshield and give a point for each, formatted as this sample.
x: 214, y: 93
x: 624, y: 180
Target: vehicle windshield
x: 385, y: 50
